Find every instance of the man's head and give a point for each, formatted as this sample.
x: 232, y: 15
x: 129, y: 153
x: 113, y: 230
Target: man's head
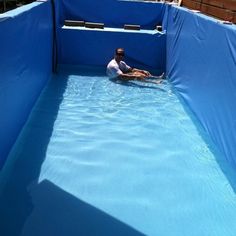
x: 119, y: 54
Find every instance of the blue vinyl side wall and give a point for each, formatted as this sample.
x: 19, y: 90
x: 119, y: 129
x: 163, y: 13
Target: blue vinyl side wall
x: 201, y: 64
x: 25, y: 66
x: 96, y: 47
x: 145, y: 48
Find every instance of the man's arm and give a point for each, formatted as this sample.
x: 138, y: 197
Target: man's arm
x: 144, y: 72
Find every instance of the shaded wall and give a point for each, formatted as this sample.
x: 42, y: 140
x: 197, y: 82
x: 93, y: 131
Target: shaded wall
x: 25, y: 66
x: 145, y: 48
x: 96, y: 47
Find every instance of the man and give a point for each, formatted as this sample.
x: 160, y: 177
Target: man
x: 117, y: 68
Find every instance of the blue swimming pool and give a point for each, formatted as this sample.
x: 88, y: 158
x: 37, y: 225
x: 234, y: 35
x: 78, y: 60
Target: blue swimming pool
x: 99, y: 157
x: 83, y: 155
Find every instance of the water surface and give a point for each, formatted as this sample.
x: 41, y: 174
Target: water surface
x: 98, y: 157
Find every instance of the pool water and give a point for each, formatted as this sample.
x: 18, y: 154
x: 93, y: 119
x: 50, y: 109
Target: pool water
x: 101, y: 157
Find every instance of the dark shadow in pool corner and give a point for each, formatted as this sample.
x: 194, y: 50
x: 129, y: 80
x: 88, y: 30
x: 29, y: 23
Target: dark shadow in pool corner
x: 57, y: 212
x: 23, y: 164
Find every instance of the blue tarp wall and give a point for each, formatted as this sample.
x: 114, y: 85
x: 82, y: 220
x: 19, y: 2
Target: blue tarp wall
x: 145, y: 48
x: 25, y: 67
x: 201, y: 64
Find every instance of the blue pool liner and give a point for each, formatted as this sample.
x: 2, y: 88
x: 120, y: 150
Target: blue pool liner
x: 25, y: 67
x: 201, y: 64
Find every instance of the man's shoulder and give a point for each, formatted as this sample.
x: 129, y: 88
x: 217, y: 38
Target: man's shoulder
x: 124, y: 66
x: 113, y: 69
x: 123, y: 63
x: 112, y: 63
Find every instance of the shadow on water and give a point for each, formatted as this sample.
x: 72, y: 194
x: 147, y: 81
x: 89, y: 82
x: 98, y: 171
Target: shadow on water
x: 23, y: 167
x: 69, y: 215
x: 29, y: 208
x: 228, y: 169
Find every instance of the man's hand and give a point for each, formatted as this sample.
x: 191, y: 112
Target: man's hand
x: 146, y: 73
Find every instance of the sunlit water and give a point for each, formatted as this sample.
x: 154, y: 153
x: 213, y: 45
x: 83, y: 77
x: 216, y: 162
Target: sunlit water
x: 129, y: 152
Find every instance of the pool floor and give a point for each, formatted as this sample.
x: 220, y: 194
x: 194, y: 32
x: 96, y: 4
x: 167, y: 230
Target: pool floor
x: 99, y: 157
